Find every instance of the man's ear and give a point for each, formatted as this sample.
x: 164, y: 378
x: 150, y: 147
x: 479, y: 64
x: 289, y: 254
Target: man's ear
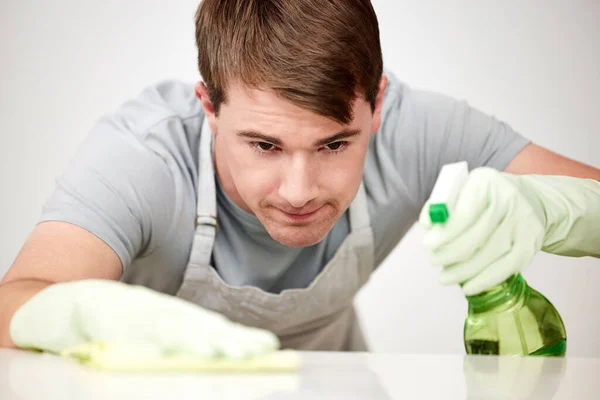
x: 376, y: 124
x: 202, y: 94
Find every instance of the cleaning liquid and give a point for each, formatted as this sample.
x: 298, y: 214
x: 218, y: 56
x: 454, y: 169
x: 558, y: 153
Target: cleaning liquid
x: 511, y: 318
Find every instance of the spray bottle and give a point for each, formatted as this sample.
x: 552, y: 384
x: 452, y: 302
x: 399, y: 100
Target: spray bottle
x: 511, y: 318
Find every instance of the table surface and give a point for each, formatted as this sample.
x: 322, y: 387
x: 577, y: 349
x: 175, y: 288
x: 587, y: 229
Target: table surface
x: 324, y: 375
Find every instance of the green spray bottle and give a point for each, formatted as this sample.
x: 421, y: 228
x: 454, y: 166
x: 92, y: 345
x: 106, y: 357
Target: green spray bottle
x: 511, y: 318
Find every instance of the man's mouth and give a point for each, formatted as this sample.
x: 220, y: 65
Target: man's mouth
x: 300, y: 215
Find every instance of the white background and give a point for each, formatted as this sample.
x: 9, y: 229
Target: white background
x: 534, y: 64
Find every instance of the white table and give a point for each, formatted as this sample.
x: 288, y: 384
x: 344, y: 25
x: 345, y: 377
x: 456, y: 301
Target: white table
x: 324, y: 375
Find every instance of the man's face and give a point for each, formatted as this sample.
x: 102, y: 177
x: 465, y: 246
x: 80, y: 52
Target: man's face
x: 295, y: 170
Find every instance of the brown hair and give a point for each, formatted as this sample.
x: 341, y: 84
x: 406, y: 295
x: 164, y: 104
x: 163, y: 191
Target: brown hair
x: 318, y: 54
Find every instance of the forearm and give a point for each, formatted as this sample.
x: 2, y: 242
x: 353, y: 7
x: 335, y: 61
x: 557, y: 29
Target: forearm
x: 570, y: 209
x: 12, y: 296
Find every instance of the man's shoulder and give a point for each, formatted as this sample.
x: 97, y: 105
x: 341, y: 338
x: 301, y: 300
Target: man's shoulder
x: 159, y: 127
x: 404, y: 100
x: 157, y: 104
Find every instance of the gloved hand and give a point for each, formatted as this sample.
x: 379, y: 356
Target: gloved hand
x: 501, y: 220
x: 147, y: 323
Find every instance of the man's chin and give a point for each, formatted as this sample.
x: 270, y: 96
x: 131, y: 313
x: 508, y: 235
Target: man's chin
x: 297, y: 242
x: 298, y: 236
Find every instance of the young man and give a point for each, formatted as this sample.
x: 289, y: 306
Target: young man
x: 269, y: 192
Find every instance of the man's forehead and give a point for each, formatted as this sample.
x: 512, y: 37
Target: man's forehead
x: 254, y: 106
x: 249, y: 99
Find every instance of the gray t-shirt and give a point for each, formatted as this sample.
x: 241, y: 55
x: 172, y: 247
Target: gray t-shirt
x: 133, y: 183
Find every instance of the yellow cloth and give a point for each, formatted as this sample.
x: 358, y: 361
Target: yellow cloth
x: 120, y: 357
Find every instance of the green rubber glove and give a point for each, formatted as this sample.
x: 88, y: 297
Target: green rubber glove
x: 149, y: 324
x: 501, y: 220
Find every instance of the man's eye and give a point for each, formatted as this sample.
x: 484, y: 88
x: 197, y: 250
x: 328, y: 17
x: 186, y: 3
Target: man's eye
x: 264, y: 146
x: 335, y: 146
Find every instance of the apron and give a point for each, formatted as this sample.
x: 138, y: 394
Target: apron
x: 319, y: 317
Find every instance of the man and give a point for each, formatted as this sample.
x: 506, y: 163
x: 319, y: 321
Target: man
x: 269, y: 192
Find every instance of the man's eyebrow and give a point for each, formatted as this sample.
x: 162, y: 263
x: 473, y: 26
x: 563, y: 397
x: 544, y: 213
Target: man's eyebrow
x: 249, y: 134
x: 343, y: 134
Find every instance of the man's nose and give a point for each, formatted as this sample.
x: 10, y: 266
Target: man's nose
x: 298, y: 184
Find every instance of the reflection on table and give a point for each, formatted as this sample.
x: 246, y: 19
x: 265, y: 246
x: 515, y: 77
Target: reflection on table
x: 324, y: 375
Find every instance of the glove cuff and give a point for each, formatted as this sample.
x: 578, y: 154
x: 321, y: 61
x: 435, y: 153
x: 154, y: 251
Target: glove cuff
x: 569, y: 209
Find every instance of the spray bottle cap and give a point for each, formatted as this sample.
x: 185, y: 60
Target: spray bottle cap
x: 445, y: 192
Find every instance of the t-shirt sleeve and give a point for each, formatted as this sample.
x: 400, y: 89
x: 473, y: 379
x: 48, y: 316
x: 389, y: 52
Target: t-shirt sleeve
x: 117, y: 188
x: 426, y: 130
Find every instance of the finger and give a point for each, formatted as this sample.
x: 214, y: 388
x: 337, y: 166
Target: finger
x: 258, y: 341
x: 199, y: 347
x: 498, y: 246
x: 497, y: 272
x: 266, y: 339
x: 240, y: 341
x: 186, y: 336
x: 523, y: 249
x: 230, y: 345
x: 492, y: 222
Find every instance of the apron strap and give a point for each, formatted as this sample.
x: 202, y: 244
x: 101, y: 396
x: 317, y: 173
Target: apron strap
x: 359, y: 210
x: 206, y: 216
